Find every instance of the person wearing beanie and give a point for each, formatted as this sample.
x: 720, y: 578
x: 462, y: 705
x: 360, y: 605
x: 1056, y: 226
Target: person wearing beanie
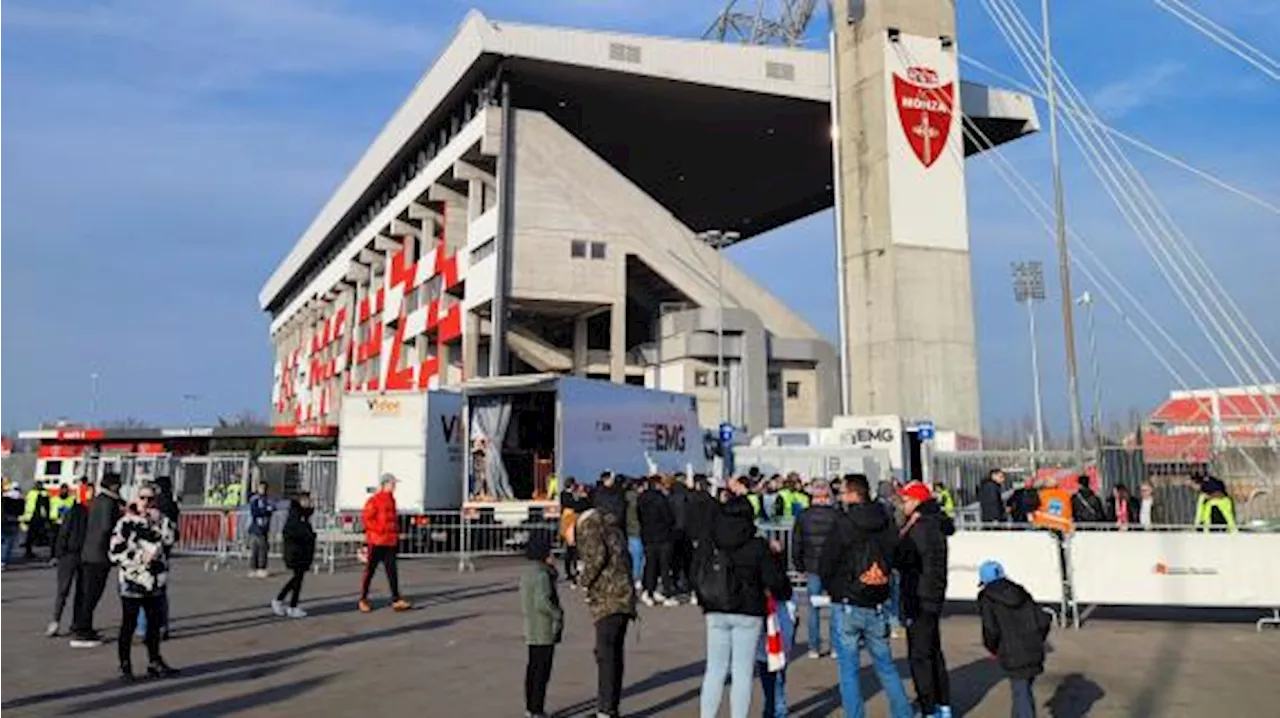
x: 1014, y: 630
x: 543, y: 622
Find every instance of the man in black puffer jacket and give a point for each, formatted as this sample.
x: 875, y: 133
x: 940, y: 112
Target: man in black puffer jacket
x: 922, y: 561
x: 657, y: 533
x: 813, y: 532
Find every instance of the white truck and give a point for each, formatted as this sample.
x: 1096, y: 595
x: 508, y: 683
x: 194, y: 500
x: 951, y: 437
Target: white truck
x: 524, y: 429
x: 415, y: 436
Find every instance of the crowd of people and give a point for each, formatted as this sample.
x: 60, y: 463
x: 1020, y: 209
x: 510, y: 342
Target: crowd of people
x: 873, y: 561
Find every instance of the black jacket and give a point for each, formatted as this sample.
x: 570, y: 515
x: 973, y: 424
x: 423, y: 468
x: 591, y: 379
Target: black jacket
x: 857, y: 525
x: 1133, y: 506
x: 13, y: 509
x: 70, y: 541
x: 657, y: 522
x: 1024, y: 502
x: 813, y: 532
x: 299, y: 538
x: 755, y: 568
x: 104, y: 512
x: 700, y: 515
x: 1013, y: 628
x: 922, y: 560
x: 1086, y: 507
x: 990, y: 503
x: 679, y: 500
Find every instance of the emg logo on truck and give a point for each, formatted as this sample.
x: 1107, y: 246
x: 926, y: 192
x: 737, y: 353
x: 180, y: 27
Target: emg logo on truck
x: 663, y: 437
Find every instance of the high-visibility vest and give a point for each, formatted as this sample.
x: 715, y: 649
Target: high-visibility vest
x: 59, y: 507
x: 947, y: 501
x: 1224, y: 505
x: 755, y: 503
x: 1055, y: 510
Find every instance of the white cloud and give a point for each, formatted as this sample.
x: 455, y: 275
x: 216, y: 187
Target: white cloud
x: 1145, y: 87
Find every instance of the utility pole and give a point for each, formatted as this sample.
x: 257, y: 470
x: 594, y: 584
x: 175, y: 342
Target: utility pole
x: 93, y: 398
x: 1086, y: 301
x: 1064, y: 257
x: 718, y: 240
x: 1028, y: 289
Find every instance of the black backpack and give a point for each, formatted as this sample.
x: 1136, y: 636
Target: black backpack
x: 714, y: 582
x: 871, y: 574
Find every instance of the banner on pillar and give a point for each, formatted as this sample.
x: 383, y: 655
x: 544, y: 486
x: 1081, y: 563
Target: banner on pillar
x: 925, y: 143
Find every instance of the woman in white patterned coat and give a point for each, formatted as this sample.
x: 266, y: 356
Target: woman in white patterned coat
x: 140, y: 547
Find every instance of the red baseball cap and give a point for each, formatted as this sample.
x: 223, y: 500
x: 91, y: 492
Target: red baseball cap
x: 916, y: 490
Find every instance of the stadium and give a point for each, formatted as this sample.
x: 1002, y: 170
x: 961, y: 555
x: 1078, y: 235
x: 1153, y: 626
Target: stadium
x: 539, y: 203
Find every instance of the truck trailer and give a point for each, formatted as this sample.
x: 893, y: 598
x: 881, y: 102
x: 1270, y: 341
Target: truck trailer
x: 525, y: 431
x: 417, y: 437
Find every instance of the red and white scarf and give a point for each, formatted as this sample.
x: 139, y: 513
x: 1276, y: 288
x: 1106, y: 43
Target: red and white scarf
x: 775, y: 648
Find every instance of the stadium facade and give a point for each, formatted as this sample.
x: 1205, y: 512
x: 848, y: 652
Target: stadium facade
x: 535, y: 204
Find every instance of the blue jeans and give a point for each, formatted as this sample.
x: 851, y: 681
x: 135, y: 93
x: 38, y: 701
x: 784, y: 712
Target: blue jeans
x: 1024, y: 701
x: 732, y: 640
x: 164, y: 611
x: 868, y: 628
x: 636, y: 549
x: 813, y: 585
x: 895, y: 600
x: 10, y: 536
x: 774, y: 687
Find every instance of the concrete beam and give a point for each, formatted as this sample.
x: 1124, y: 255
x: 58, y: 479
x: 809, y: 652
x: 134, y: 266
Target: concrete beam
x: 441, y: 193
x: 466, y: 171
x: 357, y: 273
x: 400, y: 228
x: 421, y: 211
x: 370, y: 257
x: 383, y: 243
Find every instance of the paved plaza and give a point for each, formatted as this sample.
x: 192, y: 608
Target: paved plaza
x: 460, y: 653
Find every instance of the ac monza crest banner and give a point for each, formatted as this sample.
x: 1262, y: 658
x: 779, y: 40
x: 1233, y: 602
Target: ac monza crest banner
x: 924, y: 142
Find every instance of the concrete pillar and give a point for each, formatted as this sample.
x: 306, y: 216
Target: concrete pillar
x: 580, y: 346
x: 618, y: 340
x: 903, y: 245
x: 470, y: 344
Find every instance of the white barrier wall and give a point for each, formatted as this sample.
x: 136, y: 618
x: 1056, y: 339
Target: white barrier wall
x: 1176, y: 569
x: 1029, y: 557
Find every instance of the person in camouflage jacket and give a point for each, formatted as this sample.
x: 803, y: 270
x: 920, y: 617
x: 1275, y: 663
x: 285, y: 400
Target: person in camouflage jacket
x: 606, y: 576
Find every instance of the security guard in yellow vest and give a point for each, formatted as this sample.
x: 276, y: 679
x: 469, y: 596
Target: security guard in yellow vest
x: 1216, y: 511
x: 60, y: 504
x: 944, y: 497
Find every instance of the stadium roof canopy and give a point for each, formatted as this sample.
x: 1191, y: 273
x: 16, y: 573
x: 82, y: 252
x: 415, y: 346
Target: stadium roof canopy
x: 726, y: 136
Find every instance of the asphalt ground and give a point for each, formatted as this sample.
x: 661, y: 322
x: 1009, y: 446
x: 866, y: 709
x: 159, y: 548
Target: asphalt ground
x: 460, y: 653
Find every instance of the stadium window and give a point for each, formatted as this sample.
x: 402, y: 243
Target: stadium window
x: 597, y: 250
x: 53, y: 467
x: 577, y: 249
x: 700, y: 378
x: 775, y: 382
x: 793, y: 390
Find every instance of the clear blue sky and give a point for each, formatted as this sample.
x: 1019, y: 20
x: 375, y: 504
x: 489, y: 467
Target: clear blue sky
x: 160, y: 157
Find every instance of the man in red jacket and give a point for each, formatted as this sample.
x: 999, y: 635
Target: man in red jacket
x: 381, y: 532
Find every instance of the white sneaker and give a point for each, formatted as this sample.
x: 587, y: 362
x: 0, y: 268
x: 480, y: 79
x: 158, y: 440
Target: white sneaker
x: 639, y: 585
x: 277, y: 607
x: 693, y: 599
x: 85, y: 642
x: 647, y: 599
x: 295, y: 612
x: 51, y: 630
x: 815, y: 654
x: 670, y: 602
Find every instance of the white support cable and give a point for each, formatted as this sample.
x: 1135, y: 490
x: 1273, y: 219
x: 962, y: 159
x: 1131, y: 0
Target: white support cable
x: 1152, y: 208
x: 1016, y: 37
x: 1202, y: 408
x: 1222, y: 37
x: 1028, y: 190
x: 969, y: 130
x: 1177, y: 239
x: 1174, y: 160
